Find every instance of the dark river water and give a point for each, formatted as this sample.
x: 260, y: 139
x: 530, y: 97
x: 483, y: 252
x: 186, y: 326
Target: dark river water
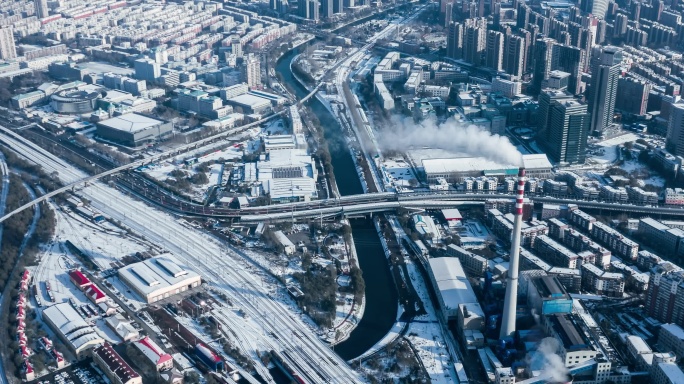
x: 381, y: 294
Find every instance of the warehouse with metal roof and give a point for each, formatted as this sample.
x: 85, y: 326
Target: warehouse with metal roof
x: 76, y: 334
x: 133, y: 130
x: 159, y: 277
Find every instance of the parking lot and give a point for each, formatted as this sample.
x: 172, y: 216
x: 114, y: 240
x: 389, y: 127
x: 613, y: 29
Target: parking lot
x: 80, y: 373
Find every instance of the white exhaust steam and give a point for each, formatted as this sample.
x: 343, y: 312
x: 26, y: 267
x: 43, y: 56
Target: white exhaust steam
x: 553, y: 368
x: 451, y: 135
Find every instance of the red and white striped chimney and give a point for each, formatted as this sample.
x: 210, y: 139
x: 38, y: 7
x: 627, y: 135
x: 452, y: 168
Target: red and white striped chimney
x: 509, y: 311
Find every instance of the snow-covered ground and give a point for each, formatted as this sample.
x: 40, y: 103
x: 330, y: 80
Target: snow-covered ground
x: 222, y: 267
x: 398, y: 172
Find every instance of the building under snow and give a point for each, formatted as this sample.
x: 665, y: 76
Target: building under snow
x: 159, y: 277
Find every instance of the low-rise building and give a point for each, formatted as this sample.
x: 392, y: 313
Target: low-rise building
x: 70, y: 327
x: 671, y: 337
x: 154, y: 354
x: 114, y: 366
x: 600, y: 282
x: 475, y: 265
x: 288, y: 247
x: 122, y: 327
x: 159, y: 278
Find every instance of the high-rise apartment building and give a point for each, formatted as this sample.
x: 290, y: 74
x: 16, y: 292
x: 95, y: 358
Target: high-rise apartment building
x: 543, y: 60
x: 514, y: 56
x: 495, y: 50
x: 571, y: 60
x: 236, y: 47
x: 251, y: 71
x: 474, y: 40
x: 597, y: 8
x: 675, y: 129
x: 42, y: 10
x: 603, y: 92
x: 455, y: 41
x: 327, y: 9
x: 309, y: 9
x: 568, y: 131
x: 7, y: 47
x: 664, y: 300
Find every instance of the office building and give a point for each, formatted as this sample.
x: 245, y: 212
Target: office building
x: 495, y: 50
x: 547, y: 98
x: 603, y: 92
x: 568, y: 128
x: 147, y: 69
x: 41, y: 7
x: 154, y: 354
x: 7, y: 47
x: 632, y: 95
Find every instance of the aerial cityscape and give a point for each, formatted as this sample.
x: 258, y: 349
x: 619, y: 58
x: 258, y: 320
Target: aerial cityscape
x: 341, y: 191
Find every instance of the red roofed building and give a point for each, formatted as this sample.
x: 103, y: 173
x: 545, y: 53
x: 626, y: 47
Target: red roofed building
x: 95, y: 294
x: 28, y: 373
x: 20, y: 313
x: 154, y: 353
x: 79, y: 279
x: 116, y: 369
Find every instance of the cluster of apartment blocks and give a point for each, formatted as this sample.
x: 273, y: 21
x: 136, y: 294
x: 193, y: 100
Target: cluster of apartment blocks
x: 560, y: 246
x: 415, y: 77
x: 630, y: 194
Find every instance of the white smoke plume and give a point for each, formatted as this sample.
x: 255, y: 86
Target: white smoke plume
x: 554, y: 369
x: 451, y: 135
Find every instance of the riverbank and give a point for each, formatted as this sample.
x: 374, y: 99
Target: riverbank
x: 380, y: 296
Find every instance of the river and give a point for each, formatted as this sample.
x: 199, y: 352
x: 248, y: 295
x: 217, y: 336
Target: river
x: 381, y: 295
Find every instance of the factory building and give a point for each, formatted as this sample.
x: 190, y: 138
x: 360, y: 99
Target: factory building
x: 133, y: 130
x: 546, y: 295
x: 455, y: 170
x: 159, y: 278
x: 575, y: 347
x: 70, y: 327
x: 455, y: 294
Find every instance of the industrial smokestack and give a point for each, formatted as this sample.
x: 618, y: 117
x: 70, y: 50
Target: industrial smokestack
x: 508, y: 319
